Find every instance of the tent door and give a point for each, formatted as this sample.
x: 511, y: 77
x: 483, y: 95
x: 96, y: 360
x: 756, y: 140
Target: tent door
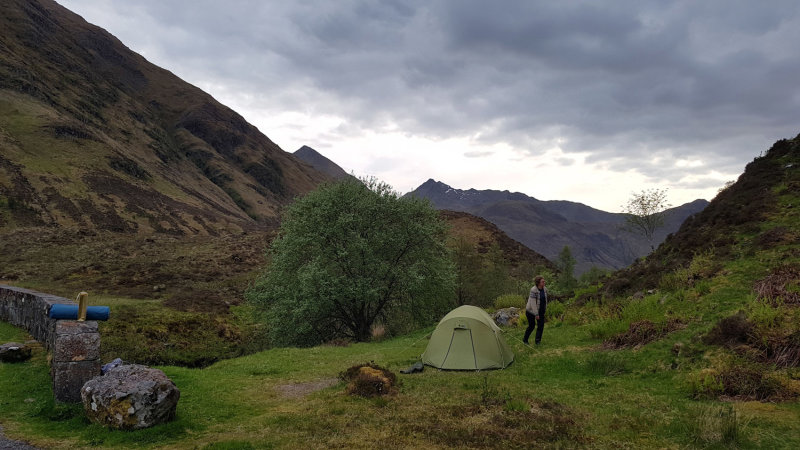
x: 461, y: 352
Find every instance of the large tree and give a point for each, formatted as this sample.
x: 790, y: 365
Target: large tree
x: 351, y: 254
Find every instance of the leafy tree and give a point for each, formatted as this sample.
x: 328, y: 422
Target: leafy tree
x: 592, y: 276
x: 350, y: 255
x: 645, y: 212
x: 468, y: 271
x: 566, y: 268
x: 496, y: 279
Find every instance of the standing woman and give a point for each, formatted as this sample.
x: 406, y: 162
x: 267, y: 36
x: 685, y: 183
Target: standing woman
x: 535, y: 309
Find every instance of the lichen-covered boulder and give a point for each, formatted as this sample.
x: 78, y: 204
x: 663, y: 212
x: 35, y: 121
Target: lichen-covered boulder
x: 130, y: 397
x: 507, y: 317
x: 14, y: 352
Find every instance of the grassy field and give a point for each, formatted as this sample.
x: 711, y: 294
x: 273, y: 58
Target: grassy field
x: 570, y: 392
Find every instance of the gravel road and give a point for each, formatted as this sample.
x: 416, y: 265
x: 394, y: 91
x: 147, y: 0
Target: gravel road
x: 8, y: 444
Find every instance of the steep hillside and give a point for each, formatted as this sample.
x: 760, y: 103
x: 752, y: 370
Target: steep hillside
x: 760, y: 211
x: 595, y: 237
x: 316, y: 160
x: 94, y: 136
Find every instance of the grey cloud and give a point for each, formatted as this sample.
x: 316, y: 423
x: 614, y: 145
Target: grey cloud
x: 713, y: 80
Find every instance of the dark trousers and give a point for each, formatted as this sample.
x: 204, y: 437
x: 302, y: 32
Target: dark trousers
x: 532, y: 324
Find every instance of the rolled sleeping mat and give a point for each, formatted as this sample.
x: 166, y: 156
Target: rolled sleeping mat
x: 70, y: 312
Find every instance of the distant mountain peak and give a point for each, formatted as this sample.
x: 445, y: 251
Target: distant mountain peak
x: 318, y: 161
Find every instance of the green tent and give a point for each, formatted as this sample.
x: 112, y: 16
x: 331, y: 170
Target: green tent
x: 467, y: 339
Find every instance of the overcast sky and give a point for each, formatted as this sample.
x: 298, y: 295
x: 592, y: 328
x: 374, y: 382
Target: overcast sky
x: 584, y: 101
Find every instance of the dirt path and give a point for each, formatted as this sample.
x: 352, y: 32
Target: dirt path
x: 8, y: 444
x: 297, y: 390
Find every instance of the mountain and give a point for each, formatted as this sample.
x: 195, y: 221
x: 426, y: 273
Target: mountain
x: 595, y: 237
x: 93, y: 136
x: 320, y: 163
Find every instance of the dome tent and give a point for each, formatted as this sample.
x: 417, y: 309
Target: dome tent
x: 467, y: 339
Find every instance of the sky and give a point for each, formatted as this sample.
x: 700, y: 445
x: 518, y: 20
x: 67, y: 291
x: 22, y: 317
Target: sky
x: 584, y: 101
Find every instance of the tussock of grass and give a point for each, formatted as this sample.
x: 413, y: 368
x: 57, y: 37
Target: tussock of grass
x: 717, y: 426
x: 643, y: 332
x: 606, y: 364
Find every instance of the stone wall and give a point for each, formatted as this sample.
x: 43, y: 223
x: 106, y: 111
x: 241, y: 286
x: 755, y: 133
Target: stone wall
x: 75, y: 345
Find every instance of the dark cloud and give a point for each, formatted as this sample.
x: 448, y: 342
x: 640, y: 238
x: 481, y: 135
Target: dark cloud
x: 623, y: 81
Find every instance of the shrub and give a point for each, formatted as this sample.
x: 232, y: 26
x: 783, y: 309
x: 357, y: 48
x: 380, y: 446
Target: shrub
x: 730, y: 330
x: 763, y: 315
x: 740, y: 379
x: 510, y: 300
x: 645, y: 309
x: 705, y: 384
x: 605, y: 328
x: 676, y: 280
x: 593, y: 276
x: 703, y: 265
x: 555, y: 311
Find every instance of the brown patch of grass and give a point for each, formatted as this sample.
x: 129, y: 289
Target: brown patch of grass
x: 201, y: 301
x: 775, y: 345
x: 298, y: 390
x: 369, y: 380
x: 495, y: 426
x: 743, y: 380
x: 642, y: 332
x: 784, y: 351
x: 730, y: 331
x: 775, y: 237
x: 783, y: 283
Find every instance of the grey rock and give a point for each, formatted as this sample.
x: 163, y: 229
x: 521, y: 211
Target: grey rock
x: 417, y: 367
x: 131, y: 397
x: 507, y: 317
x: 14, y: 352
x: 115, y: 363
x: 11, y: 444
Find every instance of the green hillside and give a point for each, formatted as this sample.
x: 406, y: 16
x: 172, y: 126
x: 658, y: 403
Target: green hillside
x: 694, y: 347
x: 93, y: 136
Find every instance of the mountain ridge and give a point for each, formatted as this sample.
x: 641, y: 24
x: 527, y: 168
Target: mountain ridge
x: 595, y: 237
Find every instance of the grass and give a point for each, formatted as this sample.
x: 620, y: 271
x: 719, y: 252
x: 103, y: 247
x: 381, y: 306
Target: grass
x: 631, y: 398
x: 642, y: 397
